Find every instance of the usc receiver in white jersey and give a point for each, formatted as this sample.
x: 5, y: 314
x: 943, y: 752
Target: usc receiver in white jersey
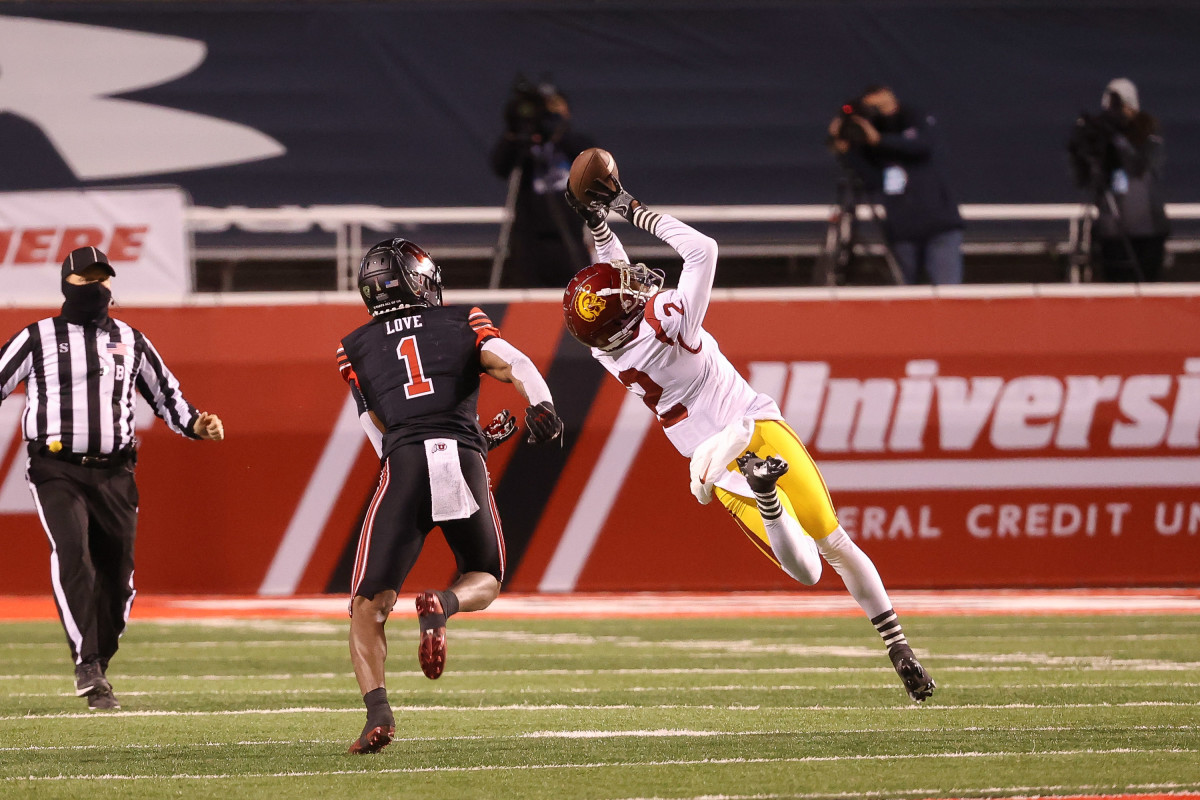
x: 673, y: 364
x: 653, y: 341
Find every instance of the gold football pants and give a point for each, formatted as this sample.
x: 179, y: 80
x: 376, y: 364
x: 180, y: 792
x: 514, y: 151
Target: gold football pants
x: 802, y: 491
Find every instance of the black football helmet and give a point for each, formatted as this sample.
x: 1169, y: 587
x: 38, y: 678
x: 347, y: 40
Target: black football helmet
x: 396, y: 273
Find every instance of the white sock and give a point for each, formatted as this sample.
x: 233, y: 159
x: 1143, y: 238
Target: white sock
x: 795, y: 549
x: 857, y: 571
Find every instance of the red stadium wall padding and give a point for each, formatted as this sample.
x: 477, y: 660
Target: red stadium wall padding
x: 967, y: 442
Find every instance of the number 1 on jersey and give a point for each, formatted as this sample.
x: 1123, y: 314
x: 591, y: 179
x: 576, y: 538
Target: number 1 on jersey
x: 417, y: 385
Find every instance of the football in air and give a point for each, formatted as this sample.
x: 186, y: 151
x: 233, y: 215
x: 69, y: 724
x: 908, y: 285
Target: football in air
x: 592, y: 164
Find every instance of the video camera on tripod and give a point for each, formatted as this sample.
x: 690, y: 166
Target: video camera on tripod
x: 1095, y: 169
x: 528, y: 114
x: 839, y: 254
x: 1091, y: 144
x: 849, y: 130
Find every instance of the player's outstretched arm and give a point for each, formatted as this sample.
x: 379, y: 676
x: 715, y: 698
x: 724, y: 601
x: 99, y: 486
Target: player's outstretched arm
x: 699, y: 252
x: 608, y: 246
x: 508, y: 364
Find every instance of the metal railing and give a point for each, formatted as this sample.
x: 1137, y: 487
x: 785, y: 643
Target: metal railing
x: 346, y: 224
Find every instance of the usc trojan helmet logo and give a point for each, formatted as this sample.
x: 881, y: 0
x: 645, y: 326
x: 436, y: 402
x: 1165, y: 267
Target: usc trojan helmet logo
x: 604, y: 303
x: 588, y: 304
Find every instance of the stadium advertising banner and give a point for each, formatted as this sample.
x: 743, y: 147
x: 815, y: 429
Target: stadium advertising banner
x: 141, y: 230
x: 967, y: 442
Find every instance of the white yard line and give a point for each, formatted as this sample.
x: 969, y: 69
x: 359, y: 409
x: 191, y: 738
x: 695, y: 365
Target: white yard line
x: 228, y: 643
x: 503, y: 707
x: 583, y: 640
x: 586, y: 734
x: 801, y: 603
x: 735, y: 687
x: 958, y: 791
x: 1158, y: 666
x: 705, y: 762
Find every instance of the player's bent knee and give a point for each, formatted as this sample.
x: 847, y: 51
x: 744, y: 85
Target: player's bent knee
x: 377, y: 606
x: 489, y: 590
x: 805, y: 570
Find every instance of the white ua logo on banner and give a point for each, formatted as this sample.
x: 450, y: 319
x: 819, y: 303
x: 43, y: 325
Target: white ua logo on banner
x: 61, y: 76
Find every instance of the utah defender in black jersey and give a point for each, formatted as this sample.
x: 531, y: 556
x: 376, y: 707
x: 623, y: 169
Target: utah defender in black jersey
x: 414, y: 370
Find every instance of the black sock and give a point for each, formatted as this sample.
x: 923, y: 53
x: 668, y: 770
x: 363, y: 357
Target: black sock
x: 379, y: 710
x: 449, y: 602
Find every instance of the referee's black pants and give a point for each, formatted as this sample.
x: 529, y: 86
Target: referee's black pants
x: 90, y: 516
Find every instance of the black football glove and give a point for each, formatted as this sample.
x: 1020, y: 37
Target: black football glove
x: 543, y: 424
x: 613, y: 198
x: 502, y: 428
x: 593, y: 213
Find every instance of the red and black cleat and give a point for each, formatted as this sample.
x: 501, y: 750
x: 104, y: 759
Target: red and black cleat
x: 431, y: 652
x: 373, y: 740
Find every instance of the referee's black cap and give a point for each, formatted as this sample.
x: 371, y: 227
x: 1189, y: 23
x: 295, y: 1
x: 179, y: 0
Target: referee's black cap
x: 81, y: 258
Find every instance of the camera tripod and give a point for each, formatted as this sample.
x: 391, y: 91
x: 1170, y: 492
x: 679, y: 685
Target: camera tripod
x: 1093, y: 175
x: 500, y: 254
x: 1080, y: 260
x: 841, y: 237
x: 565, y: 222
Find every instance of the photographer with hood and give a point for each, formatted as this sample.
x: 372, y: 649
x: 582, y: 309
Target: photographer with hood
x: 1117, y: 156
x: 889, y: 150
x: 545, y: 242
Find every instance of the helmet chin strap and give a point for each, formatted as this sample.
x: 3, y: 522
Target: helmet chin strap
x: 625, y: 334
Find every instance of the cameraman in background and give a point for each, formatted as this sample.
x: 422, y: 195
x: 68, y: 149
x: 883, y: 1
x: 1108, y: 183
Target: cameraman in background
x: 545, y: 243
x: 1117, y: 156
x: 889, y: 150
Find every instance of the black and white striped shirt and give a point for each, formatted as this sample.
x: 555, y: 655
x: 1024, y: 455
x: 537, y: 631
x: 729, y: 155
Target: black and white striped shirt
x: 80, y: 381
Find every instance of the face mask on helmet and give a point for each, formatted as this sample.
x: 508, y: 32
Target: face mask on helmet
x: 396, y: 274
x: 604, y: 303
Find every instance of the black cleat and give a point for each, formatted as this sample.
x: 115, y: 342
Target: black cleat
x: 916, y: 680
x: 761, y: 473
x: 89, y: 677
x: 103, y: 699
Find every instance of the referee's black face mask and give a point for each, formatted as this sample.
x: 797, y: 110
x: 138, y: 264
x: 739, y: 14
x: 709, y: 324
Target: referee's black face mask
x: 86, y: 304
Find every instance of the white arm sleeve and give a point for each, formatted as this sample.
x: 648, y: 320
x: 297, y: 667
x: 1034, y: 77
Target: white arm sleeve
x: 374, y: 435
x: 523, y: 370
x: 699, y: 254
x: 608, y: 246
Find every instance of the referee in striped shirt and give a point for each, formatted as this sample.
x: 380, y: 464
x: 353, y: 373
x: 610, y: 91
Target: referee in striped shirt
x: 81, y: 369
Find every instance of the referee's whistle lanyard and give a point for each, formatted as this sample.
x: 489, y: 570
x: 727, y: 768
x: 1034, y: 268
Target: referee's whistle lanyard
x: 86, y: 304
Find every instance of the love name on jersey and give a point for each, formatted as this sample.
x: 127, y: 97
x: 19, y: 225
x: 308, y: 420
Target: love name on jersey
x: 401, y: 324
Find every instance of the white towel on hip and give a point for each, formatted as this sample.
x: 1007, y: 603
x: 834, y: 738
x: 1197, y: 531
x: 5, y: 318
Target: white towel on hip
x: 711, y: 458
x: 448, y: 490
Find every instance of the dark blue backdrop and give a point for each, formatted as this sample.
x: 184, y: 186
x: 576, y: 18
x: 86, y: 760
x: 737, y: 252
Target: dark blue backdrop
x: 702, y: 102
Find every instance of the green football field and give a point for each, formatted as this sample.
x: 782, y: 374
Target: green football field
x: 758, y: 707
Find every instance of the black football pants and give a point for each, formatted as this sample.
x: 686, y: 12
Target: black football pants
x: 400, y: 517
x: 90, y: 516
